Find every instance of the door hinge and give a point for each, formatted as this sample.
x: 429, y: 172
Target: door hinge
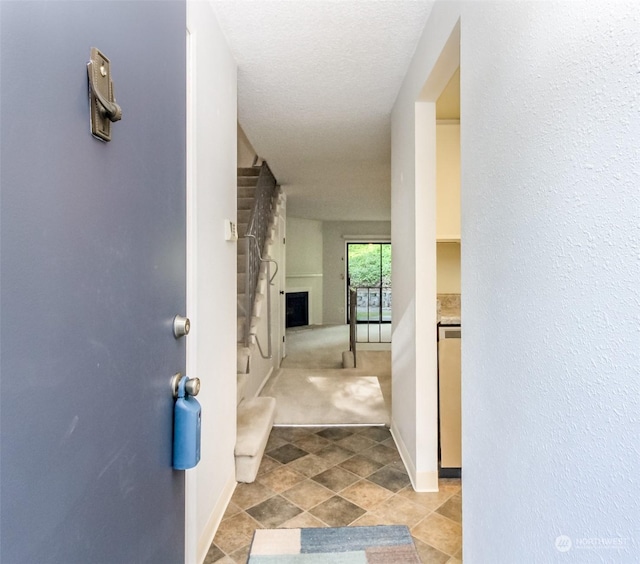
x: 284, y: 240
x: 283, y: 338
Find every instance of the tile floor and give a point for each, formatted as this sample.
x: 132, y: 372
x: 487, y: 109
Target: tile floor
x: 339, y: 476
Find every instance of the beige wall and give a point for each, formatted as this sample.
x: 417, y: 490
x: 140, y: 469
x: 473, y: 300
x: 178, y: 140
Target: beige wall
x: 335, y: 236
x: 304, y: 250
x: 448, y: 181
x: 448, y: 264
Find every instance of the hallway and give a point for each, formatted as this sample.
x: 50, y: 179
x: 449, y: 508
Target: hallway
x: 333, y: 477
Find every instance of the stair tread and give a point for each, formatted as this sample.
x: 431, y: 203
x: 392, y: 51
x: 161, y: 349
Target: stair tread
x: 255, y: 419
x: 245, y: 203
x: 246, y: 191
x: 249, y: 171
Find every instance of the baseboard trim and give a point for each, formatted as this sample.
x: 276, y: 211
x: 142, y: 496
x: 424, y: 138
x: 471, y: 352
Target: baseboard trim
x: 426, y: 482
x: 210, y: 529
x: 420, y: 481
x: 264, y: 382
x: 404, y: 453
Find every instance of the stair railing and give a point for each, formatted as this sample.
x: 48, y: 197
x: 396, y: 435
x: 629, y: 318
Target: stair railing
x: 353, y: 329
x: 257, y: 231
x: 269, y: 278
x: 375, y: 314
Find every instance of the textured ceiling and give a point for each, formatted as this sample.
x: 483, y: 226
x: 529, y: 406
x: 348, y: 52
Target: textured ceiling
x: 316, y: 84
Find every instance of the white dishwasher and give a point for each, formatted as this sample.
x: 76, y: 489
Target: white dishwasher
x: 449, y: 407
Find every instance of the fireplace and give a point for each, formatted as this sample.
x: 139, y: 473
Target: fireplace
x: 297, y: 309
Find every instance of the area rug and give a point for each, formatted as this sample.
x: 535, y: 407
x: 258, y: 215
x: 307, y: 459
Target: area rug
x: 321, y: 398
x: 385, y: 544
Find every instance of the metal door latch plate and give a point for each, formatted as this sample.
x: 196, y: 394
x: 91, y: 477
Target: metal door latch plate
x: 104, y: 109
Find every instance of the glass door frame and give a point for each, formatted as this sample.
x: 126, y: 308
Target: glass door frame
x: 380, y: 243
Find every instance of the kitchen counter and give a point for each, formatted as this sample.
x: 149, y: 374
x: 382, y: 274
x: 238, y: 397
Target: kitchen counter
x: 449, y: 309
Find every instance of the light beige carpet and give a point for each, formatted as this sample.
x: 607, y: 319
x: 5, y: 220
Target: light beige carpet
x: 326, y: 397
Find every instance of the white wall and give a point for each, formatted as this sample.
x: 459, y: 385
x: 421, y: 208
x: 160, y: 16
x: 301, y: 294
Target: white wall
x: 211, y: 348
x: 550, y: 224
x: 246, y: 152
x: 413, y: 205
x: 304, y: 262
x: 551, y: 215
x: 335, y: 235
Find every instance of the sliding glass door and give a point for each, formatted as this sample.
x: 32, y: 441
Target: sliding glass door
x: 369, y: 273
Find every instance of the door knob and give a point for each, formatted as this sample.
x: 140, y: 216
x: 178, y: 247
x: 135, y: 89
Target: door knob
x: 191, y: 387
x: 181, y: 326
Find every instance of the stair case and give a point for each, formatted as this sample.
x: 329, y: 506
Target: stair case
x: 247, y: 184
x: 255, y: 421
x: 258, y: 197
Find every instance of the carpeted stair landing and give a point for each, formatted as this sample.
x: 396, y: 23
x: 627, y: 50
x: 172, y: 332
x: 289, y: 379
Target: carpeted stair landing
x: 326, y: 397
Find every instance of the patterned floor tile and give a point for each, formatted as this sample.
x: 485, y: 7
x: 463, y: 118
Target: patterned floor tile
x: 309, y: 465
x: 430, y: 500
x: 452, y: 508
x: 369, y: 520
x: 450, y: 485
x: 274, y: 442
x: 378, y: 434
x: 363, y: 465
x: 307, y: 494
x: 337, y: 512
x: 287, y: 453
x: 312, y: 443
x: 234, y: 532
x: 303, y: 520
x: 274, y: 511
x: 213, y: 555
x: 398, y: 510
x: 439, y: 532
x: 241, y: 555
x: 335, y: 433
x: 390, y: 479
x: 335, y: 479
x: 291, y: 434
x: 356, y: 443
x: 365, y: 494
x: 335, y: 454
x: 430, y: 555
x: 232, y: 509
x: 267, y: 465
x: 248, y: 495
x: 281, y: 479
x: 382, y: 454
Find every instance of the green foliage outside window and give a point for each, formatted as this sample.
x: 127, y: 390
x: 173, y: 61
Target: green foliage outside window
x: 367, y: 262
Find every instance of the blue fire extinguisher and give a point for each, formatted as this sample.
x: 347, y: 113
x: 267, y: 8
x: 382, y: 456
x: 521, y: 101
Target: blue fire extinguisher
x: 186, y: 424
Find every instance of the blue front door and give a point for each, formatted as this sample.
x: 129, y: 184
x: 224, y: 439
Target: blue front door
x: 92, y: 271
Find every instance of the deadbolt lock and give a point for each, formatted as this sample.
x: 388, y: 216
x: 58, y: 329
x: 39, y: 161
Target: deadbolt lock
x: 181, y: 326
